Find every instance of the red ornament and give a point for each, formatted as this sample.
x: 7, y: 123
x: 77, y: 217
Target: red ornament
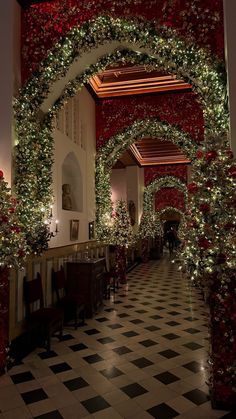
x: 193, y: 188
x: 21, y: 253
x: 221, y: 258
x: 16, y: 229
x: 199, y: 154
x: 232, y: 171
x: 228, y: 226
x: 211, y: 155
x: 229, y: 154
x: 204, y: 243
x: 1, y: 174
x: 3, y: 219
x: 193, y: 224
x: 209, y: 184
x: 205, y: 208
x: 11, y: 210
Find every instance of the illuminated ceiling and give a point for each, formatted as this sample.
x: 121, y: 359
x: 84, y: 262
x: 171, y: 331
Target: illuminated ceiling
x: 128, y: 80
x: 134, y: 80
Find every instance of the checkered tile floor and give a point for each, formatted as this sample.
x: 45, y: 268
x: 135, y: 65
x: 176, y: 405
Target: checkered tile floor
x: 143, y: 356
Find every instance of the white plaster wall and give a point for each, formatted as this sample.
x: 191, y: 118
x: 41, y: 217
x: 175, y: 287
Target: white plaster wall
x: 118, y: 185
x: 134, y: 176
x: 9, y: 79
x: 140, y: 193
x: 128, y: 184
x: 86, y: 160
x: 230, y: 57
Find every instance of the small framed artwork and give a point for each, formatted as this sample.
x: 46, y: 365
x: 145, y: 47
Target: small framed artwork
x: 91, y: 230
x: 74, y: 229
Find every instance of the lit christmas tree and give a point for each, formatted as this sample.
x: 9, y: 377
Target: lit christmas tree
x: 13, y: 251
x: 122, y: 237
x: 149, y: 227
x: 13, y: 248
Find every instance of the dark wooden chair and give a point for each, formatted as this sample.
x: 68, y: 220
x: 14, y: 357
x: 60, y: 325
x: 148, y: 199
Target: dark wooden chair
x: 42, y: 322
x: 73, y: 304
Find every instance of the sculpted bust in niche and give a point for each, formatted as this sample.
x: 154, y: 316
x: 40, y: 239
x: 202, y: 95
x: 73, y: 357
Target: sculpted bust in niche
x: 66, y: 197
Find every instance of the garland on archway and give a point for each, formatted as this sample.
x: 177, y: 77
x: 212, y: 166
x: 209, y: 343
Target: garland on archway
x: 159, y: 183
x: 170, y: 209
x: 35, y: 144
x: 110, y: 152
x: 35, y: 148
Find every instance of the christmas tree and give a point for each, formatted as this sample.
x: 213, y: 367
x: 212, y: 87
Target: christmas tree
x: 12, y: 254
x: 122, y: 237
x: 13, y: 249
x: 122, y: 234
x: 149, y: 227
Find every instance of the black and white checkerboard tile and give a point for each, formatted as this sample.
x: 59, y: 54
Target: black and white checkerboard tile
x: 143, y: 356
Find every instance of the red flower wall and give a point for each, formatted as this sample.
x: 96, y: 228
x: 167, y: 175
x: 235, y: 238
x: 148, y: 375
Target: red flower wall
x: 153, y: 172
x: 181, y: 109
x: 44, y: 24
x: 169, y: 197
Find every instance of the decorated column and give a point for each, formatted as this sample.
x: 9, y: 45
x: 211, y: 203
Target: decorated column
x: 211, y: 223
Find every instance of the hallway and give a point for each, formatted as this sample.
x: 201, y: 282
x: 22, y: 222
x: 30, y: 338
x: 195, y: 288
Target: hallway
x: 143, y: 356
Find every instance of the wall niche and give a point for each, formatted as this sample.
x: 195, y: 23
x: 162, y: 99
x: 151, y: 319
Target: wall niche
x: 72, y: 184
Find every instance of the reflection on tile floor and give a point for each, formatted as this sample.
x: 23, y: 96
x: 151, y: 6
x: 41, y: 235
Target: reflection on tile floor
x: 143, y: 356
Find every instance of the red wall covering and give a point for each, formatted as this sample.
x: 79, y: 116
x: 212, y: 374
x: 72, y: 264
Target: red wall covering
x: 181, y: 109
x: 169, y: 197
x: 44, y: 24
x: 153, y: 172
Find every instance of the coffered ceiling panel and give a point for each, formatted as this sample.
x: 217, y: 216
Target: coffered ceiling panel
x: 134, y: 80
x: 128, y: 80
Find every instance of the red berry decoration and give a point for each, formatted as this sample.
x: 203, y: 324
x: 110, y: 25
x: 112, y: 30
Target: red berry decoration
x: 232, y: 171
x: 229, y: 154
x: 221, y: 258
x: 193, y: 188
x: 205, y: 208
x: 211, y: 155
x: 199, y: 154
x: 228, y: 226
x: 204, y: 243
x: 193, y: 224
x: 1, y: 174
x: 3, y: 219
x: 209, y: 184
x: 21, y: 253
x: 11, y: 210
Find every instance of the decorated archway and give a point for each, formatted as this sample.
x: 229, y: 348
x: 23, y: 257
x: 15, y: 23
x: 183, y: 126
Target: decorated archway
x: 159, y: 183
x: 60, y: 73
x: 111, y: 151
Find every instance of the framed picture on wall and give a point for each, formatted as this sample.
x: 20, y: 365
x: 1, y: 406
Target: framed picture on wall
x: 91, y: 230
x: 74, y: 229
